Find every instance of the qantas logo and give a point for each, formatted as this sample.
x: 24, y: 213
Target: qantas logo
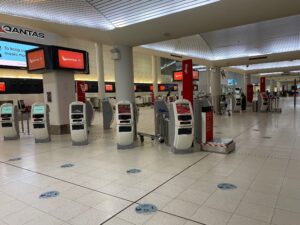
x: 21, y: 31
x: 35, y: 60
x: 70, y: 59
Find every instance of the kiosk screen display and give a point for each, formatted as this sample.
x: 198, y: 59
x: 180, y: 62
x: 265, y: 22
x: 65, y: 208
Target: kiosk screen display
x: 77, y: 108
x: 38, y: 109
x: 124, y: 108
x: 2, y: 87
x: 183, y: 108
x: 6, y: 110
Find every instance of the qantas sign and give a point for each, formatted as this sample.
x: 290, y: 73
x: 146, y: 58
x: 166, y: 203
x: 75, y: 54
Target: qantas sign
x: 21, y: 31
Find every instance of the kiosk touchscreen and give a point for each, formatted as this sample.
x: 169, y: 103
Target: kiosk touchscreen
x: 78, y: 124
x: 181, y: 126
x: 9, y: 121
x: 40, y: 122
x: 125, y: 124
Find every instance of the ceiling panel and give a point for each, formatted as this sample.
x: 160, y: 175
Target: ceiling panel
x: 126, y: 12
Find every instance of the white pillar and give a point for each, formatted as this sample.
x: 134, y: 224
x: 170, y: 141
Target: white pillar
x: 124, y: 74
x: 278, y: 86
x: 216, y: 91
x: 100, y: 70
x: 155, y: 73
x: 59, y: 92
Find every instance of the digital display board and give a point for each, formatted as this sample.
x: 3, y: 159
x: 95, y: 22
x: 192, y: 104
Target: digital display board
x: 178, y: 75
x: 2, y: 87
x: 231, y: 82
x: 162, y: 87
x: 36, y: 60
x: 109, y: 87
x: 38, y: 109
x: 68, y: 59
x: 151, y: 87
x: 6, y: 110
x: 183, y: 108
x: 13, y: 54
x: 124, y: 108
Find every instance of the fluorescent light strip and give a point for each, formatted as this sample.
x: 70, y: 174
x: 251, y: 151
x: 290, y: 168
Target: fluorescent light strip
x: 271, y: 65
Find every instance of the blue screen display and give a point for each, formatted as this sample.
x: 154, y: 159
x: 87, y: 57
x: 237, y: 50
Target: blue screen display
x: 231, y: 82
x: 14, y: 54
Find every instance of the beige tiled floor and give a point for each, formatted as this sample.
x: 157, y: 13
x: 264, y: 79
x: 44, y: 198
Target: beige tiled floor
x: 97, y: 190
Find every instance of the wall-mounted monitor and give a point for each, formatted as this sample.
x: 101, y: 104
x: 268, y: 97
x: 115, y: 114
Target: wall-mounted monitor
x: 162, y: 88
x: 2, y: 87
x: 13, y: 53
x: 36, y: 60
x: 178, y: 75
x: 71, y: 59
x: 231, y: 82
x: 109, y: 87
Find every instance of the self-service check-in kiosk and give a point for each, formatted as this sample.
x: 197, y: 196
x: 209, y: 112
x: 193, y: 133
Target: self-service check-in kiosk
x: 78, y: 124
x: 108, y: 113
x: 125, y: 124
x: 181, y: 126
x: 204, y: 134
x: 9, y: 121
x: 237, y: 100
x: 40, y: 122
x: 263, y: 102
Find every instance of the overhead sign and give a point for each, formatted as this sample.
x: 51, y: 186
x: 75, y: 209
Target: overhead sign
x: 71, y: 59
x: 36, y: 60
x: 9, y: 29
x: 178, y: 75
x: 13, y: 54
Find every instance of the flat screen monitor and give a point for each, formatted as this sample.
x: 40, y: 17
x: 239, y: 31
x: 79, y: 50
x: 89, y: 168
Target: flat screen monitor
x: 77, y: 108
x: 124, y: 109
x: 162, y: 87
x: 38, y: 109
x: 13, y: 54
x: 195, y: 87
x: 183, y: 108
x: 2, y: 87
x: 178, y: 75
x: 231, y: 82
x: 7, y: 110
x: 151, y: 87
x: 36, y: 60
x: 109, y: 87
x: 71, y: 59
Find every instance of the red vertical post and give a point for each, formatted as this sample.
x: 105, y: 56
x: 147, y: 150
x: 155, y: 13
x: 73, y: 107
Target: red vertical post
x: 80, y: 91
x: 187, y: 81
x: 295, y: 92
x: 262, y: 84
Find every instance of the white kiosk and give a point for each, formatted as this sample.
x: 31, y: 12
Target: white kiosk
x: 237, y: 100
x: 78, y: 124
x: 125, y: 124
x: 263, y: 102
x: 181, y: 126
x: 40, y: 122
x: 9, y: 121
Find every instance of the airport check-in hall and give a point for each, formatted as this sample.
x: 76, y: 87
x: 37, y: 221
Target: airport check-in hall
x: 126, y: 112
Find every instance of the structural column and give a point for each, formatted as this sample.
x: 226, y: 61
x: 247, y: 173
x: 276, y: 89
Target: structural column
x: 247, y: 80
x: 216, y: 91
x: 124, y: 73
x: 59, y: 92
x: 272, y: 86
x: 100, y: 70
x: 155, y: 73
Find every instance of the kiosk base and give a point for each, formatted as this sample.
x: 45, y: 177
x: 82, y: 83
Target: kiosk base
x: 224, y: 146
x: 80, y: 143
x: 124, y: 147
x: 11, y: 138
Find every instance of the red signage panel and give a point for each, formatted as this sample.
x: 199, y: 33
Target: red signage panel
x: 249, y: 93
x: 68, y: 59
x: 262, y: 84
x: 80, y: 91
x: 108, y: 87
x: 36, y: 60
x: 2, y: 87
x: 187, y: 82
x: 209, y: 126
